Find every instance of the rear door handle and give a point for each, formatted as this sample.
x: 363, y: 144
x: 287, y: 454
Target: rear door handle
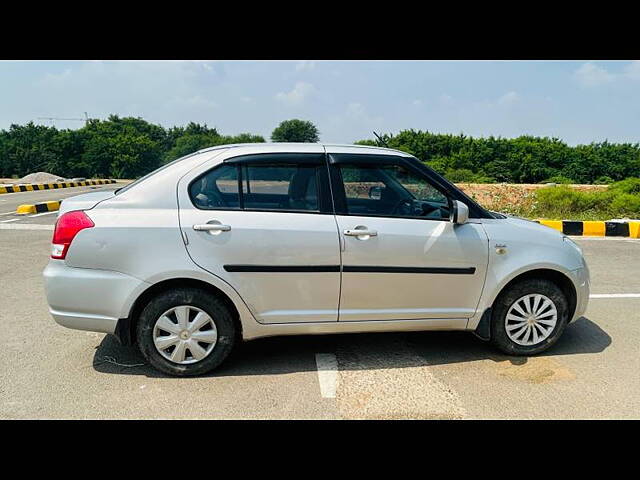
x: 212, y: 227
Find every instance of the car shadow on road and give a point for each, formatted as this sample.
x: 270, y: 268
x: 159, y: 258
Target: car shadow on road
x: 366, y: 351
x: 581, y: 337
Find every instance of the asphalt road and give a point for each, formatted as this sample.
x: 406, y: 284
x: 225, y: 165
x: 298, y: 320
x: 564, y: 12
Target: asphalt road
x: 592, y: 372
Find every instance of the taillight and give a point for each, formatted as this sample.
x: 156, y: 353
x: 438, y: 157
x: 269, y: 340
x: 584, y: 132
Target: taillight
x: 67, y: 227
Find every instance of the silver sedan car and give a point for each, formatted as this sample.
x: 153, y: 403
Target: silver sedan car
x: 239, y: 242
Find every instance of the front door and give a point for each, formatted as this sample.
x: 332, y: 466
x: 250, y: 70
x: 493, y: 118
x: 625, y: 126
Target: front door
x: 264, y: 223
x: 402, y: 258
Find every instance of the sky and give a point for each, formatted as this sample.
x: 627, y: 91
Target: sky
x: 576, y: 101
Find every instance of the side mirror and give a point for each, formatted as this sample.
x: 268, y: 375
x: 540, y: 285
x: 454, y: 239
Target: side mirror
x: 459, y: 212
x: 375, y: 193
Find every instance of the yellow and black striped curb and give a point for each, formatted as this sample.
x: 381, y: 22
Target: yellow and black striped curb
x: 594, y: 228
x: 39, y: 207
x: 30, y: 187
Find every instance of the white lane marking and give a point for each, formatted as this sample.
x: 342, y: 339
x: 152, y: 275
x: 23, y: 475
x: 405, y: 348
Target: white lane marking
x: 24, y: 226
x: 327, y: 364
x: 615, y: 295
x: 8, y: 213
x: 607, y: 239
x: 11, y: 220
x: 44, y: 213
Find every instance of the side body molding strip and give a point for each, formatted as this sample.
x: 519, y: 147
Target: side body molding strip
x: 347, y: 268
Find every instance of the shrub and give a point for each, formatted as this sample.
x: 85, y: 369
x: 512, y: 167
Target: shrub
x: 561, y: 202
x: 630, y: 185
x: 557, y: 199
x: 604, y: 180
x: 625, y: 204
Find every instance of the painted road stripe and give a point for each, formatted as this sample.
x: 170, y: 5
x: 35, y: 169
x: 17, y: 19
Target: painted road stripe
x: 327, y: 364
x: 615, y: 295
x: 555, y: 224
x: 597, y: 229
x: 12, y: 220
x: 24, y: 226
x: 594, y: 228
x: 43, y: 186
x: 40, y: 214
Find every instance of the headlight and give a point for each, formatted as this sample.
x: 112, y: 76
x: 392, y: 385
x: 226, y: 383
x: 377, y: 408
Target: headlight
x: 573, y: 244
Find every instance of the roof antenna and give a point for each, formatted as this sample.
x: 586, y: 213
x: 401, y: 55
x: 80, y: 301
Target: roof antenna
x: 381, y: 140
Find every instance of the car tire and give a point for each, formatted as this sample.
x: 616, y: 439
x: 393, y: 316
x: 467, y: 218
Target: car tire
x: 528, y: 296
x: 199, y: 303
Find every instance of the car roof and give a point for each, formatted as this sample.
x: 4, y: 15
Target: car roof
x: 307, y: 147
x: 154, y: 185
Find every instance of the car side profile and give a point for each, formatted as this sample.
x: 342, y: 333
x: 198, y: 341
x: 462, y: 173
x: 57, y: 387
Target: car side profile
x: 239, y: 242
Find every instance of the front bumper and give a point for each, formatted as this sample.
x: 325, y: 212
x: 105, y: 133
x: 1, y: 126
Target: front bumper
x: 582, y: 284
x: 87, y: 299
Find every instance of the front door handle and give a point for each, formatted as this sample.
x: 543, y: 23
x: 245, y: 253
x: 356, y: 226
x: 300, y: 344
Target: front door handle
x: 361, y: 232
x: 212, y: 227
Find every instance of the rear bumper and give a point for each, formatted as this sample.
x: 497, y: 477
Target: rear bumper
x: 84, y: 321
x: 87, y: 299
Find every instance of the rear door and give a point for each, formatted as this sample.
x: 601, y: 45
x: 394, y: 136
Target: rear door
x: 264, y: 223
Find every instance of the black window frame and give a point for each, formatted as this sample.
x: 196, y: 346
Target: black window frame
x: 325, y: 201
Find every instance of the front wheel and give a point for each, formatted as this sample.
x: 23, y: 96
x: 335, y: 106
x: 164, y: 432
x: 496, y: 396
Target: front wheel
x: 529, y: 317
x: 185, y: 332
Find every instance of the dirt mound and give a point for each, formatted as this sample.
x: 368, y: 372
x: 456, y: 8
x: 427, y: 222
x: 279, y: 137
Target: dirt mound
x: 506, y: 196
x: 40, y: 177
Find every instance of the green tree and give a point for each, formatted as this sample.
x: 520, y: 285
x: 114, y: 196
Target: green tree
x: 524, y: 159
x: 28, y: 148
x: 295, y: 130
x: 131, y: 147
x: 122, y: 147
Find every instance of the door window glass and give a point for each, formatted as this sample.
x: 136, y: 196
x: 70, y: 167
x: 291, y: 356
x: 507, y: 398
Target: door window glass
x: 264, y: 187
x: 218, y: 188
x: 391, y: 190
x: 280, y: 187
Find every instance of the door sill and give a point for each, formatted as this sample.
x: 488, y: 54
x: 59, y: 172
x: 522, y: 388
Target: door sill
x: 259, y: 330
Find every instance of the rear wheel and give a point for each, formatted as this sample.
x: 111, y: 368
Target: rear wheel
x: 185, y: 332
x: 529, y: 317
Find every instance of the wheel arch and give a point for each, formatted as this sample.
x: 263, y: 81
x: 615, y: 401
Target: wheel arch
x: 126, y: 327
x: 481, y: 328
x: 557, y: 277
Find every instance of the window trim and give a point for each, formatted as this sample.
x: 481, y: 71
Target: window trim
x: 257, y: 158
x: 325, y: 201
